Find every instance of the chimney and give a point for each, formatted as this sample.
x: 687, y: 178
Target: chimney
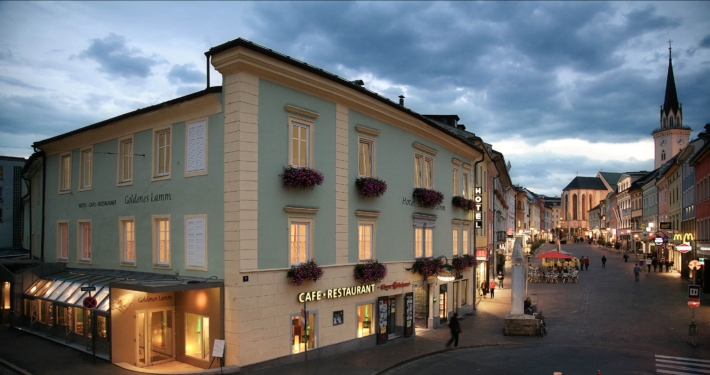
x: 461, y: 126
x: 401, y: 100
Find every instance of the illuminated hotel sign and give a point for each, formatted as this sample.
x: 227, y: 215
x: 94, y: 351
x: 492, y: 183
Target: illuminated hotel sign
x: 318, y: 295
x: 478, y: 200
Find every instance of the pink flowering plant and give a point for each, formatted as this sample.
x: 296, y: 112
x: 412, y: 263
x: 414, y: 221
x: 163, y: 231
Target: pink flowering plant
x: 427, y: 266
x: 428, y: 198
x: 461, y: 263
x: 371, y: 187
x: 462, y: 203
x: 370, y: 272
x: 305, y: 271
x: 301, y: 178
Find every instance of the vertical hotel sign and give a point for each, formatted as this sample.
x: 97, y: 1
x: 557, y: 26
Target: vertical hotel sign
x: 478, y: 212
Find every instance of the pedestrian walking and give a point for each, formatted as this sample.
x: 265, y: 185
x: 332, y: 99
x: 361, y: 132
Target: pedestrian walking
x: 648, y: 264
x: 626, y: 257
x: 670, y: 265
x: 637, y: 271
x: 492, y: 288
x: 455, y: 328
x: 586, y: 263
x: 654, y: 262
x: 484, y: 288
x: 500, y: 279
x: 641, y: 264
x: 603, y: 261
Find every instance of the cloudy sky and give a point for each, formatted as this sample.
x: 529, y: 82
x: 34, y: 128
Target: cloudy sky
x: 560, y: 88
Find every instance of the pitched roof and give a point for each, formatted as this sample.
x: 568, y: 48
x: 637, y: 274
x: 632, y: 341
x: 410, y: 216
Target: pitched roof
x: 611, y: 178
x: 592, y: 183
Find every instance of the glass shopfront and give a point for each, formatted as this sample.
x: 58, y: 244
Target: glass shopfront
x: 364, y: 320
x: 303, y: 333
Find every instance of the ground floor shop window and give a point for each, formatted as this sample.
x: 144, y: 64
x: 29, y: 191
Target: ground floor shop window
x: 364, y: 320
x: 79, y: 321
x: 101, y: 327
x: 303, y: 333
x: 464, y: 292
x: 197, y: 336
x: 5, y: 296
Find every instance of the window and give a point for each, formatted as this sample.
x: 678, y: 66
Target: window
x: 455, y: 246
x: 366, y: 240
x: 455, y: 181
x: 303, y: 332
x: 161, y: 241
x: 162, y: 153
x: 196, y: 242
x: 84, y: 241
x: 65, y: 173
x: 464, y: 183
x: 63, y: 240
x: 365, y: 315
x: 125, y: 161
x: 464, y: 242
x: 299, y: 241
x: 196, y: 152
x: 85, y: 168
x: 197, y: 336
x: 128, y: 240
x: 300, y: 142
x: 423, y: 242
x: 423, y: 171
x: 366, y: 156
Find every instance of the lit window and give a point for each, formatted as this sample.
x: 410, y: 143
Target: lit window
x: 455, y: 181
x: 464, y: 242
x: 299, y: 242
x: 65, y: 173
x: 365, y: 316
x: 455, y: 239
x: 63, y: 240
x: 162, y: 153
x: 366, y: 149
x: 365, y: 241
x: 197, y: 336
x: 464, y: 186
x: 85, y: 241
x: 423, y: 171
x: 128, y: 241
x: 303, y: 333
x: 161, y: 238
x: 423, y: 242
x: 125, y: 161
x: 85, y: 168
x: 300, y: 142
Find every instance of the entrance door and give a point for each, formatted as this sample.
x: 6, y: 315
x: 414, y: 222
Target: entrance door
x: 392, y: 318
x: 421, y: 306
x: 443, y: 304
x: 154, y: 336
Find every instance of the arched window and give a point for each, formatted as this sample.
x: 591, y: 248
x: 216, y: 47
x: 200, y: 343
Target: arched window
x: 574, y: 207
x: 663, y: 154
x: 584, y: 207
x: 671, y: 122
x: 677, y: 121
x: 590, y: 202
x: 566, y: 207
x: 665, y: 122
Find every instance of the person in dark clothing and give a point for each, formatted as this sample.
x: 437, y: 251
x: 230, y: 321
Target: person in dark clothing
x: 586, y: 263
x: 455, y: 330
x: 654, y: 263
x: 527, y: 306
x: 626, y: 257
x: 603, y: 261
x: 500, y: 279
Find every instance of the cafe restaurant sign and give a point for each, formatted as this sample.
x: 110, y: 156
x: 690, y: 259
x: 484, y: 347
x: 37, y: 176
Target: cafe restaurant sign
x: 394, y: 285
x: 318, y: 295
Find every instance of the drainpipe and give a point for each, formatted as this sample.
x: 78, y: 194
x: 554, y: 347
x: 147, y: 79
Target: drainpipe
x: 207, y: 55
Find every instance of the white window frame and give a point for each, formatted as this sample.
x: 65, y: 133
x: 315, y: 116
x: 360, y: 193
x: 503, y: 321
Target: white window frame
x: 310, y: 125
x: 455, y: 181
x: 371, y: 141
x: 205, y: 146
x: 465, y: 236
x: 204, y: 242
x: 465, y: 185
x: 125, y: 161
x: 64, y: 180
x: 84, y: 244
x: 166, y: 173
x: 157, y: 261
x: 86, y: 162
x: 371, y: 225
x: 310, y: 223
x: 420, y: 162
x: 455, y: 240
x: 126, y: 240
x: 62, y: 246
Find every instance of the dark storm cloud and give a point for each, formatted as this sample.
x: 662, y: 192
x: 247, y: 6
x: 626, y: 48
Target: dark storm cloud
x: 705, y: 43
x: 41, y: 115
x: 18, y: 83
x: 118, y: 59
x: 185, y: 74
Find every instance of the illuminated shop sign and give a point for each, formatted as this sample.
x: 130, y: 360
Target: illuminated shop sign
x: 481, y: 254
x: 394, y: 285
x: 318, y: 295
x: 478, y: 201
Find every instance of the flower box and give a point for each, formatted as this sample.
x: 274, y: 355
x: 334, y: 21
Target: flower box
x: 370, y: 187
x: 370, y: 272
x: 301, y: 178
x: 428, y: 198
x: 427, y: 267
x: 462, y: 203
x: 463, y: 262
x: 304, y: 271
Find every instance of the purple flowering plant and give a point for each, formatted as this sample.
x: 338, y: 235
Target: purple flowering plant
x: 462, y: 203
x: 305, y: 271
x: 462, y: 262
x: 428, y: 198
x: 301, y: 178
x: 371, y: 187
x: 370, y: 272
x: 427, y: 266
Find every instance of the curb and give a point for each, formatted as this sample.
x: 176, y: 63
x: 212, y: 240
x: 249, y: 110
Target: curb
x: 442, y: 351
x: 14, y: 368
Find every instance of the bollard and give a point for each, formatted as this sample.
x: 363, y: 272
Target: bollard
x: 599, y: 372
x: 693, y: 330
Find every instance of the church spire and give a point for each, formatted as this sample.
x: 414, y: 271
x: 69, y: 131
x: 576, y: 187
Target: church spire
x: 671, y: 99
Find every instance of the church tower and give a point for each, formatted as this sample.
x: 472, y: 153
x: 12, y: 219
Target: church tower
x: 672, y: 136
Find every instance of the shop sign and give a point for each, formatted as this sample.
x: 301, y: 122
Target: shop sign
x: 409, y: 314
x: 658, y: 241
x: 684, y: 248
x: 481, y: 254
x: 150, y: 298
x: 478, y: 204
x: 665, y: 225
x: 318, y: 295
x: 394, y: 285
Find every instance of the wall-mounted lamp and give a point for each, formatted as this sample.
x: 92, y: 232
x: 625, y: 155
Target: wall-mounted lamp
x: 447, y: 272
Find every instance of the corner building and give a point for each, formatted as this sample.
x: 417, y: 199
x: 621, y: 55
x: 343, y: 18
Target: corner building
x: 180, y: 209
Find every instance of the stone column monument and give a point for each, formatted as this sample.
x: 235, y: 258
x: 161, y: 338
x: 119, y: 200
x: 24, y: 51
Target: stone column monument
x: 517, y: 323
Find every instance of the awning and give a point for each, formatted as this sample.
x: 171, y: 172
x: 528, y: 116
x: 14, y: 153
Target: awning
x: 65, y: 288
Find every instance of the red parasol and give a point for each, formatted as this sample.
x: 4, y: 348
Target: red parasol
x: 554, y: 255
